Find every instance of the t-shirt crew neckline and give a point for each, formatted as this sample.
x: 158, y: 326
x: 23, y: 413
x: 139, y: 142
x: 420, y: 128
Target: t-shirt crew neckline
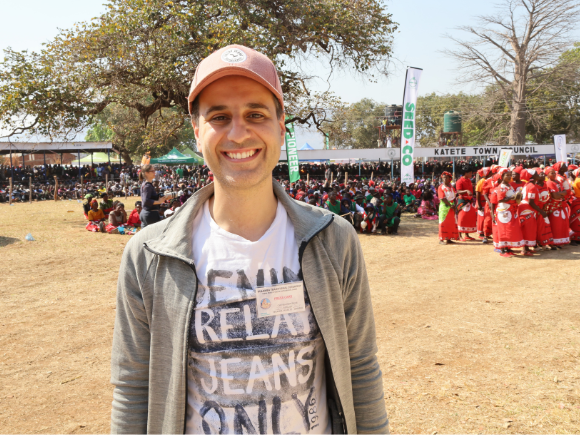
x: 219, y: 230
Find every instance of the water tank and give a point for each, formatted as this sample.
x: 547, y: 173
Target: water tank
x: 452, y: 122
x: 394, y: 114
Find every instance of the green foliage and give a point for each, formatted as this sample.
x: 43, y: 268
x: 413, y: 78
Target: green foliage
x: 355, y: 125
x: 141, y: 55
x: 555, y: 109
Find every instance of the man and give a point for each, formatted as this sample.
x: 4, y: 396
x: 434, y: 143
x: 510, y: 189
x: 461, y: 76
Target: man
x: 205, y: 339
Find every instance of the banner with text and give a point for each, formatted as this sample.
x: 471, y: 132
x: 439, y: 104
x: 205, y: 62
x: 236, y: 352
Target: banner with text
x: 560, y: 146
x: 408, y: 126
x: 292, y: 154
x: 504, y: 157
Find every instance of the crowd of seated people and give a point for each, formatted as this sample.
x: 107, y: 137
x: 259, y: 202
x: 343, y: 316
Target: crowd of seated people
x: 371, y: 206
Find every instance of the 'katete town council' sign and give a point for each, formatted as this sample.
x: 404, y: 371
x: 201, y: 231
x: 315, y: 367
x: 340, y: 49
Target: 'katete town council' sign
x: 485, y: 151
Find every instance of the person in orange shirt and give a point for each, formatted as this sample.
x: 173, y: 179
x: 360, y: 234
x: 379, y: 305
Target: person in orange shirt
x: 96, y: 217
x: 484, y: 174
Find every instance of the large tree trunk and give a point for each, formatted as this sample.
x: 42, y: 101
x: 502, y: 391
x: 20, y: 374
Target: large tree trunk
x: 124, y: 153
x: 518, y: 125
x: 519, y: 113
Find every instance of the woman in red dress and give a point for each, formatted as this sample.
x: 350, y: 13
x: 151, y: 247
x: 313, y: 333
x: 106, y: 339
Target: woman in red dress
x: 467, y: 216
x: 575, y: 207
x: 544, y: 230
x: 447, y: 224
x: 557, y: 209
x: 508, y: 233
x: 529, y: 211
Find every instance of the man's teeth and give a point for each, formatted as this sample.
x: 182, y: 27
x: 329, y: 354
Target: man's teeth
x: 241, y: 155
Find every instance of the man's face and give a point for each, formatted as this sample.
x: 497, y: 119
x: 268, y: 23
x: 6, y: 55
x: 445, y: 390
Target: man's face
x: 238, y: 132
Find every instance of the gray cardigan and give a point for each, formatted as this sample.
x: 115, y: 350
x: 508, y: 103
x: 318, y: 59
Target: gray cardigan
x: 155, y: 297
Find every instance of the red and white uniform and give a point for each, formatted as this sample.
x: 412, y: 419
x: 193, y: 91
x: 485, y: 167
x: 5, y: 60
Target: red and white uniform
x: 527, y: 215
x: 447, y: 227
x: 488, y: 187
x: 467, y: 215
x: 558, y: 214
x: 544, y: 230
x: 508, y: 233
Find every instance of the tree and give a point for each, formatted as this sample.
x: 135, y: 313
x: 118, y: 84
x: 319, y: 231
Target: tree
x: 141, y: 55
x: 431, y: 111
x: 555, y: 109
x: 515, y: 53
x: 356, y: 125
x: 123, y: 127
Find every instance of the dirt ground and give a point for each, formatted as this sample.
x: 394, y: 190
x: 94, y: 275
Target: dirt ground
x: 469, y: 342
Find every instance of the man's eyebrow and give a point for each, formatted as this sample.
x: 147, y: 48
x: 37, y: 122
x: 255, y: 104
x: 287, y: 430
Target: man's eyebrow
x: 258, y: 106
x: 215, y: 109
x: 250, y: 105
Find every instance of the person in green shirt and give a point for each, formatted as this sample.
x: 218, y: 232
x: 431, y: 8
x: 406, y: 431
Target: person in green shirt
x: 333, y: 204
x: 409, y: 200
x: 106, y: 204
x: 389, y: 217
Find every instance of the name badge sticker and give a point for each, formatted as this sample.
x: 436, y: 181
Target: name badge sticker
x: 280, y: 299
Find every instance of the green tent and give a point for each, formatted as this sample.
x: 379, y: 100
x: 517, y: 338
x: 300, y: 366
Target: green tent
x: 189, y: 152
x: 174, y: 157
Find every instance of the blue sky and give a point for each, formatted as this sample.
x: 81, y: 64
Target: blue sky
x: 27, y: 24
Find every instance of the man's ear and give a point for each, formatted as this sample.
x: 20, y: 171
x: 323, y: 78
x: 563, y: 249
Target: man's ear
x: 195, y: 125
x: 282, y: 122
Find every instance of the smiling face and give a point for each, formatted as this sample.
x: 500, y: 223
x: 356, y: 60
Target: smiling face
x: 238, y: 131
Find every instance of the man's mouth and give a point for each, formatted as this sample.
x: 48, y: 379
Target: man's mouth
x: 240, y: 155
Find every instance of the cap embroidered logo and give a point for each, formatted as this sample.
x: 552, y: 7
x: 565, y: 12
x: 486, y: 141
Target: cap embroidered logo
x: 234, y: 55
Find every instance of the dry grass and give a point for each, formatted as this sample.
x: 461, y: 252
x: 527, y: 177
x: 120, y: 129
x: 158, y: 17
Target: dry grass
x: 468, y: 342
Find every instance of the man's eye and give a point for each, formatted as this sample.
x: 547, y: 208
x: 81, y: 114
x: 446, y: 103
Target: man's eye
x: 219, y: 118
x: 256, y: 115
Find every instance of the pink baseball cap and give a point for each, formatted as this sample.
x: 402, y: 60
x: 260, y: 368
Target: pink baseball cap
x: 236, y: 60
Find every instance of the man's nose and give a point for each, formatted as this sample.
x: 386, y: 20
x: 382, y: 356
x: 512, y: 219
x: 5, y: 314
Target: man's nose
x: 239, y: 131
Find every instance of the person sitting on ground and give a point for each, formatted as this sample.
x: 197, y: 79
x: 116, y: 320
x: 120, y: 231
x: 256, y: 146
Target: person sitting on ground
x: 87, y: 204
x: 175, y: 204
x: 332, y: 204
x: 390, y: 215
x: 409, y: 200
x: 427, y: 210
x: 370, y: 219
x: 347, y: 209
x: 118, y: 216
x: 106, y: 204
x: 134, y: 220
x: 96, y: 218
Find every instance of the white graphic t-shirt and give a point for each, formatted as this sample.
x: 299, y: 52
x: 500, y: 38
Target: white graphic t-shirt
x: 248, y: 374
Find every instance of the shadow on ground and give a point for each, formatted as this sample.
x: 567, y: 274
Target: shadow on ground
x: 5, y: 241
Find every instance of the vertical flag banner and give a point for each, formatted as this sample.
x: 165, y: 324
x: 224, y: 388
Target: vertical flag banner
x: 408, y: 126
x: 327, y: 141
x: 292, y: 154
x: 560, y: 146
x: 504, y: 157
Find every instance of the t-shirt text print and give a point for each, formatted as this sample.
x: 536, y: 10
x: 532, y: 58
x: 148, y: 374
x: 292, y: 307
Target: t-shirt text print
x: 250, y: 374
